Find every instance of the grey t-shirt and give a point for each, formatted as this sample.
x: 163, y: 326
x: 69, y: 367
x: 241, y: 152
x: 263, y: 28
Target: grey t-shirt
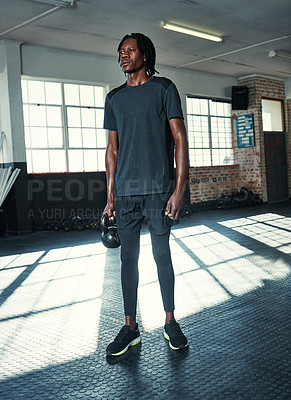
x: 140, y: 115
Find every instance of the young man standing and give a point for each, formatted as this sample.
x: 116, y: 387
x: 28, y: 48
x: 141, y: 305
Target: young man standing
x: 145, y: 124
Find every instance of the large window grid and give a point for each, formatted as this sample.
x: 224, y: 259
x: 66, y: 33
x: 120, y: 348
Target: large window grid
x: 63, y: 127
x: 209, y: 132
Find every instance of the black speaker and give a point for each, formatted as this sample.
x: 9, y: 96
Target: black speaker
x: 239, y: 97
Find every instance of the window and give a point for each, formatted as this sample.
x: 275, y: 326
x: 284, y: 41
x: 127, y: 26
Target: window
x: 209, y: 132
x: 272, y: 111
x: 63, y: 127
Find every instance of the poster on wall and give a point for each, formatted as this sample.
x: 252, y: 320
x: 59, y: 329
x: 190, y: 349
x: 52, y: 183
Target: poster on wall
x: 245, y: 131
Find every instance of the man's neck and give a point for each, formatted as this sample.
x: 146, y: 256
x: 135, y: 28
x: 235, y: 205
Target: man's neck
x: 137, y: 78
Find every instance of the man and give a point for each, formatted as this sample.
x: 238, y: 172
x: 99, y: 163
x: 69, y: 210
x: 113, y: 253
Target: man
x: 145, y: 123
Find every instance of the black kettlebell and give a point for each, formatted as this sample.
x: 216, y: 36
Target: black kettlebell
x: 109, y: 235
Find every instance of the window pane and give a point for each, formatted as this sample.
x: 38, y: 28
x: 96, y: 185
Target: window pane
x: 220, y: 109
x: 54, y: 116
x: 57, y: 161
x: 99, y: 96
x: 272, y: 116
x: 221, y: 132
x: 75, y: 137
x: 28, y: 161
x: 26, y: 115
x: 74, y: 117
x: 101, y: 160
x: 38, y: 137
x: 227, y: 109
x: 71, y: 94
x: 99, y: 118
x: 216, y: 157
x: 53, y: 93
x: 267, y: 122
x: 196, y: 109
x: 205, y: 157
x: 40, y: 161
x: 196, y: 106
x: 76, y: 161
x: 199, y: 158
x: 88, y: 117
x: 90, y: 159
x: 222, y: 157
x: 198, y: 136
x: 89, y: 138
x: 27, y: 137
x: 36, y: 92
x: 192, y: 158
x: 37, y: 115
x: 101, y: 138
x: 87, y: 95
x: 190, y: 123
x: 203, y: 106
x: 212, y: 107
x: 189, y: 105
x: 55, y: 137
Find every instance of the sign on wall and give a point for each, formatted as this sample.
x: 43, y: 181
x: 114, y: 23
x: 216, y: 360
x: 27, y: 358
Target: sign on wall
x: 245, y: 131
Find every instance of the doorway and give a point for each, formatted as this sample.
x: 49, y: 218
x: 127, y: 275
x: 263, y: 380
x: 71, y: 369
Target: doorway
x: 276, y: 167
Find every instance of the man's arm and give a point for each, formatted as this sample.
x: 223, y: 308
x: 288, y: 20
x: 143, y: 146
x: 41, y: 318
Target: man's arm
x: 175, y: 202
x: 110, y: 163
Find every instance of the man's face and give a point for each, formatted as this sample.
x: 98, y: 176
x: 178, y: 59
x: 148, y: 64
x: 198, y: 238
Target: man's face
x: 131, y: 59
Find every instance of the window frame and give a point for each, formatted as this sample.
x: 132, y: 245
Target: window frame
x: 282, y: 114
x: 210, y: 133
x: 64, y: 105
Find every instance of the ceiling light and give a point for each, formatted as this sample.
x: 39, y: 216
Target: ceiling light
x: 62, y: 3
x: 192, y: 32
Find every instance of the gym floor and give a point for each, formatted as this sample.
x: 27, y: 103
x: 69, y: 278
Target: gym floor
x: 61, y: 304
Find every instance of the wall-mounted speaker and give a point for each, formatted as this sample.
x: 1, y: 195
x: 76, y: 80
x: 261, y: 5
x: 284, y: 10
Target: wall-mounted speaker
x: 239, y: 97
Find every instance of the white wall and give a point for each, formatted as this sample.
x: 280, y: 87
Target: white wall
x: 69, y: 65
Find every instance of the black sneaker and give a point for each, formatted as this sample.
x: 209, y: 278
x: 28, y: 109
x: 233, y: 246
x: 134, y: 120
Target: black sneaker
x: 127, y: 337
x: 177, y: 339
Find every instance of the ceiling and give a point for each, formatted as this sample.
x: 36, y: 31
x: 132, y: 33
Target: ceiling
x: 250, y: 28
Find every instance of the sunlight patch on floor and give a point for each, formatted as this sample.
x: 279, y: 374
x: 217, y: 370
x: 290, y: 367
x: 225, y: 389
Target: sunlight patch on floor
x: 73, y: 252
x: 20, y: 260
x: 273, y: 230
x: 61, y: 298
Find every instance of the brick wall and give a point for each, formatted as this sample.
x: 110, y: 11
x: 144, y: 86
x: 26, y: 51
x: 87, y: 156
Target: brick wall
x: 252, y: 160
x: 208, y: 183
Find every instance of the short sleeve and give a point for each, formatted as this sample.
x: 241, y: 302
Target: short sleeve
x: 109, y: 116
x: 173, y: 103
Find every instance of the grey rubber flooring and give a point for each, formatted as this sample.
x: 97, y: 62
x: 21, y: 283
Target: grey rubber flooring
x: 61, y: 304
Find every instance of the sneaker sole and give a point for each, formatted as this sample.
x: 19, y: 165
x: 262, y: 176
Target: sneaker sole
x: 132, y: 343
x: 170, y: 344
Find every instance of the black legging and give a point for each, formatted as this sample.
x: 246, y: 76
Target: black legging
x: 130, y: 246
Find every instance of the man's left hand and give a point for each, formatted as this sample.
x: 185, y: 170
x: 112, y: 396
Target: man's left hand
x: 174, y: 206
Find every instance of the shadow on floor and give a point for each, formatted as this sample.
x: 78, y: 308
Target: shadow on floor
x: 61, y: 306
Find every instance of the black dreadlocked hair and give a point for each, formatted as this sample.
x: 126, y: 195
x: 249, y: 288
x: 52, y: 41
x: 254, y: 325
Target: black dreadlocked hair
x: 146, y: 47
